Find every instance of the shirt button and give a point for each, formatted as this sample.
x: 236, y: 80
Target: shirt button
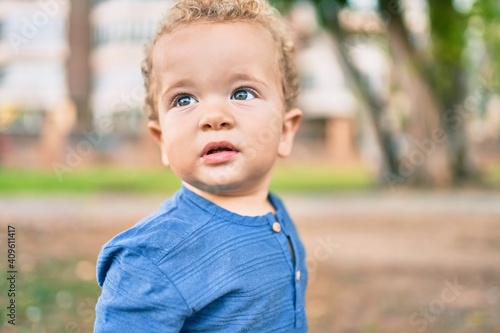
x: 297, y: 275
x: 276, y: 227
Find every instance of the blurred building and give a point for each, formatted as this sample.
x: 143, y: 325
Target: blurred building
x: 81, y: 58
x: 329, y: 106
x: 120, y: 29
x: 33, y: 53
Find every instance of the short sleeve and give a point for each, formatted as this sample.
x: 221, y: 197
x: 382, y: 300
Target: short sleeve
x: 136, y: 295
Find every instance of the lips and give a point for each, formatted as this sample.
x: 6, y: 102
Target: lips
x: 218, y: 152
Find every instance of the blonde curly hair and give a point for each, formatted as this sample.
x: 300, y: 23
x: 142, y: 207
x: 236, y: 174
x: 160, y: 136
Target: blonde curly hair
x: 259, y: 11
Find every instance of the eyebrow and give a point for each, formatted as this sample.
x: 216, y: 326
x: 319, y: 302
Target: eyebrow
x: 174, y: 85
x: 247, y: 77
x: 179, y: 83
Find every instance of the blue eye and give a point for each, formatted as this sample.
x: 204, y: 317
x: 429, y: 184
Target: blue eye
x: 184, y: 100
x: 243, y: 94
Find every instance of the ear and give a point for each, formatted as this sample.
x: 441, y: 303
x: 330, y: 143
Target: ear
x: 155, y: 130
x: 291, y: 124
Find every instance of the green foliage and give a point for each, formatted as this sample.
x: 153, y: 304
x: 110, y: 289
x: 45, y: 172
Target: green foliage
x: 282, y: 5
x: 326, y: 9
x: 487, y: 14
x: 448, y: 28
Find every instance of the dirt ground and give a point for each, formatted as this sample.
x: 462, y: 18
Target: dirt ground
x: 399, y: 262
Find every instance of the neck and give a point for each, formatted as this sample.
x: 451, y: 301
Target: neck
x: 253, y: 203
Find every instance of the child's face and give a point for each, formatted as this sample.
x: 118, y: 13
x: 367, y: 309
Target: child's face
x: 222, y: 121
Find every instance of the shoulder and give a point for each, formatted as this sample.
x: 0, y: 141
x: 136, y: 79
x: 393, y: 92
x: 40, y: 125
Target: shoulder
x: 152, y: 238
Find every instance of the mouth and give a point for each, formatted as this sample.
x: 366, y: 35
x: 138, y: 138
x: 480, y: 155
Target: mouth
x: 218, y: 152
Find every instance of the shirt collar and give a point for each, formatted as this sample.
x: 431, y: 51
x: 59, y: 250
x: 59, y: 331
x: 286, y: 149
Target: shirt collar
x: 213, y: 209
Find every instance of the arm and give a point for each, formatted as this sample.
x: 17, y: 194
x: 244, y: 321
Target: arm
x: 136, y: 295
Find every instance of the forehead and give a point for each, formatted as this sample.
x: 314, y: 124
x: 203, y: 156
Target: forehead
x: 208, y: 48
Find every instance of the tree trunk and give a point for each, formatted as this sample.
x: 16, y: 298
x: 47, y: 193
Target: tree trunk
x: 426, y: 162
x: 374, y: 104
x: 448, y: 35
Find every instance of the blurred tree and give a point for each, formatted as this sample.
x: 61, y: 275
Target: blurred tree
x: 426, y: 160
x: 434, y: 79
x: 328, y: 11
x: 78, y: 65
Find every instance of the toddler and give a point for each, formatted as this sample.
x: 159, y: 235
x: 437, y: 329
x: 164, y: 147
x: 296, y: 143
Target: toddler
x: 221, y: 255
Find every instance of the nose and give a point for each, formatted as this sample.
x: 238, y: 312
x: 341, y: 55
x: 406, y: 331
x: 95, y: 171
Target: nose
x: 216, y: 116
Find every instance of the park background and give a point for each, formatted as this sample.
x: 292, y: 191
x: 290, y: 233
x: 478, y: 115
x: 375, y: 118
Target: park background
x: 394, y: 182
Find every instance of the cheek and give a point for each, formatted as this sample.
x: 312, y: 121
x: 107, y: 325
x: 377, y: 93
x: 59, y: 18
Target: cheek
x: 177, y: 148
x: 263, y: 139
x: 173, y: 141
x: 267, y: 137
x: 270, y: 129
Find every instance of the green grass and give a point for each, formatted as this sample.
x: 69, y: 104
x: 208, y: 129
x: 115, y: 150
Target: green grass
x: 87, y: 181
x: 492, y: 176
x: 52, y: 298
x: 304, y: 178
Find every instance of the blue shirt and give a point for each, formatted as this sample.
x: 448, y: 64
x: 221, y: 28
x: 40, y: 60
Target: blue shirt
x: 195, y: 267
